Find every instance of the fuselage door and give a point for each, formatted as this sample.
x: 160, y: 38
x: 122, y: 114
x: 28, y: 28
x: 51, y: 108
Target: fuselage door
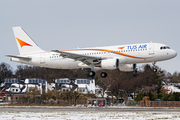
x: 42, y: 58
x: 151, y: 49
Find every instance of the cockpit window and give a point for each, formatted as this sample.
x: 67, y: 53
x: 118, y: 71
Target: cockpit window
x: 165, y: 47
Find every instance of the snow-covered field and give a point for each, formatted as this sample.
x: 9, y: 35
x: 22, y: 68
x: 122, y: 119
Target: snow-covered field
x: 94, y: 115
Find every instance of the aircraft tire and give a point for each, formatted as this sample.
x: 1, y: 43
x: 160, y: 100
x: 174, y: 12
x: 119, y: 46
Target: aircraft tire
x: 155, y: 70
x: 103, y: 74
x: 92, y: 73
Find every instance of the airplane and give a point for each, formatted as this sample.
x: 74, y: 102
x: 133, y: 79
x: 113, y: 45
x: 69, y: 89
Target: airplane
x: 122, y: 57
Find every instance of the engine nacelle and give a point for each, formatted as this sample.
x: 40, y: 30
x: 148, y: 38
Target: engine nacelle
x: 110, y: 64
x: 127, y: 67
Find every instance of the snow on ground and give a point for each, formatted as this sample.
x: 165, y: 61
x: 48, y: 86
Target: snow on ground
x: 94, y: 115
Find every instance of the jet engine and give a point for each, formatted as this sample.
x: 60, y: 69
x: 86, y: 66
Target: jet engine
x: 110, y: 64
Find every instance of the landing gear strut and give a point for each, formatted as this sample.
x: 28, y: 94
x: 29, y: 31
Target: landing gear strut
x: 135, y: 70
x: 135, y: 73
x: 92, y: 73
x: 154, y: 67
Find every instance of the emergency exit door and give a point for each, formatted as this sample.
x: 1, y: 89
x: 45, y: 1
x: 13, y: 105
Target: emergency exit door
x: 151, y: 49
x: 42, y: 58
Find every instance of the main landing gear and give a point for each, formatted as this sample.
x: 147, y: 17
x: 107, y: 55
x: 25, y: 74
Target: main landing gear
x: 92, y: 74
x: 103, y: 74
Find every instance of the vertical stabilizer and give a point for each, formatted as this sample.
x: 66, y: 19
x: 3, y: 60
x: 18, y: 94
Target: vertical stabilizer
x: 24, y: 42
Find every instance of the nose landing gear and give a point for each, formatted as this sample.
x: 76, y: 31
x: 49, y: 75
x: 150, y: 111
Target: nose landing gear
x: 154, y: 67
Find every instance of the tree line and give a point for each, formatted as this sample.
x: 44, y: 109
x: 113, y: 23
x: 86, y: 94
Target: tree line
x: 146, y: 83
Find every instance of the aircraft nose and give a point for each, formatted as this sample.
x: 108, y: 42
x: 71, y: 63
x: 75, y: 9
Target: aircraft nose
x: 174, y: 53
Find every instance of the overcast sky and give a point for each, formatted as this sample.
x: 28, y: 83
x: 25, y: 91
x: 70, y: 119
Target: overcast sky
x: 65, y: 24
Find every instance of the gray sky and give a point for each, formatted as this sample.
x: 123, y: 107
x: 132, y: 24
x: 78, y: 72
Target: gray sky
x: 65, y: 24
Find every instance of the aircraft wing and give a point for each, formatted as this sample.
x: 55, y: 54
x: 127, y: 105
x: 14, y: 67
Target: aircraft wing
x: 23, y: 58
x: 88, y: 60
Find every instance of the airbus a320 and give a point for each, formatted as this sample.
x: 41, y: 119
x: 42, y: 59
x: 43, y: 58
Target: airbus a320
x: 122, y: 57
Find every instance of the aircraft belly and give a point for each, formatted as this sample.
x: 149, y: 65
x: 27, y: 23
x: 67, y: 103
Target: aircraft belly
x: 73, y: 64
x: 133, y: 60
x: 63, y: 63
x: 137, y: 60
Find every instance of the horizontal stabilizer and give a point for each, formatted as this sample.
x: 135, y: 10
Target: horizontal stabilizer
x: 20, y: 57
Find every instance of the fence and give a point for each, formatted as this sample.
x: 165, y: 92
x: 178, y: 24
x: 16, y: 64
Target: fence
x: 160, y: 104
x: 51, y: 102
x: 47, y: 103
x: 132, y: 103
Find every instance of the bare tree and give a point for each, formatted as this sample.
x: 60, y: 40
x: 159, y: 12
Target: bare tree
x: 5, y: 71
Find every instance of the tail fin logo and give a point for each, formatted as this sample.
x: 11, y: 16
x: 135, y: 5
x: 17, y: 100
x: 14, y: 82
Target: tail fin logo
x: 22, y: 43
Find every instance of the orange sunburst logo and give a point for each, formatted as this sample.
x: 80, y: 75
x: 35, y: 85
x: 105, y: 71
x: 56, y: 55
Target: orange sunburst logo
x: 22, y: 43
x: 121, y: 47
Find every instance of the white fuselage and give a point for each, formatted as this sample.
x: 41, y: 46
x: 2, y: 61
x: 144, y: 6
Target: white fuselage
x: 127, y: 54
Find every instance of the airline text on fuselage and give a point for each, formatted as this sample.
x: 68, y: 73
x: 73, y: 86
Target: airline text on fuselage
x: 137, y: 47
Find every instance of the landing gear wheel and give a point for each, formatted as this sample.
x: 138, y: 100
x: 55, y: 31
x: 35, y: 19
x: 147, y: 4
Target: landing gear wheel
x: 154, y: 67
x: 92, y: 73
x: 103, y: 74
x: 155, y: 70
